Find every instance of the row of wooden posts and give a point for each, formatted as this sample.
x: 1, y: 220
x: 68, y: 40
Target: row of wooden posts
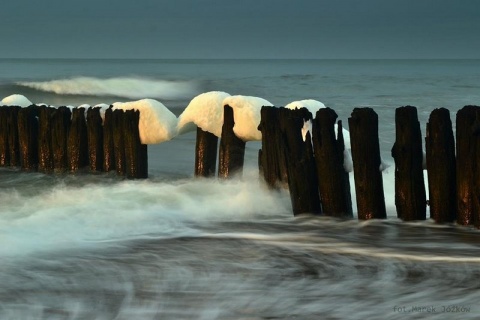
x: 314, y: 169
x: 64, y: 140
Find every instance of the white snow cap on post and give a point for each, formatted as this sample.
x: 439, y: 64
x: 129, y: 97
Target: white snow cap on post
x: 16, y: 100
x: 205, y: 111
x: 246, y: 111
x: 157, y: 124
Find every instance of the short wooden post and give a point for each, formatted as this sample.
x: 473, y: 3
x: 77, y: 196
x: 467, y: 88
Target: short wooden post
x: 302, y: 177
x: 135, y: 159
x: 410, y: 197
x: 440, y: 152
x: 4, y: 152
x: 108, y: 145
x: 45, y: 153
x: 363, y: 125
x: 13, y: 142
x: 77, y: 144
x: 118, y: 141
x: 333, y: 180
x: 232, y: 148
x: 466, y: 163
x: 27, y: 137
x: 205, y: 153
x: 272, y: 158
x: 60, y: 128
x: 95, y: 139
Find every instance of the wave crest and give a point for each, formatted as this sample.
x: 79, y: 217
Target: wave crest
x: 125, y: 87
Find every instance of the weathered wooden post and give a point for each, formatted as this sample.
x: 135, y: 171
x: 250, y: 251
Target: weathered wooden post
x: 410, y: 197
x: 135, y: 152
x: 95, y: 139
x: 27, y: 137
x: 4, y: 152
x: 272, y: 157
x: 45, y: 153
x: 333, y: 180
x: 205, y: 153
x: 118, y: 141
x: 77, y: 144
x: 13, y: 143
x: 363, y: 125
x: 60, y: 127
x: 108, y: 137
x: 466, y: 163
x: 440, y: 151
x: 302, y: 178
x: 232, y: 148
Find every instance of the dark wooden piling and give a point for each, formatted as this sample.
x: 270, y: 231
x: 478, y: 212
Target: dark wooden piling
x: 108, y: 145
x: 476, y: 172
x: 77, y: 143
x: 118, y: 141
x: 272, y: 158
x: 333, y: 180
x: 135, y: 153
x: 407, y: 152
x: 205, y: 153
x: 4, y: 152
x: 45, y: 153
x: 363, y: 125
x: 13, y: 142
x: 95, y: 139
x: 27, y: 137
x: 302, y: 177
x: 60, y: 127
x: 466, y: 162
x: 232, y: 149
x: 440, y: 152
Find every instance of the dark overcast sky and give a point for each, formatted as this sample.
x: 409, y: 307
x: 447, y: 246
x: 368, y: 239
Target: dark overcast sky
x: 240, y: 28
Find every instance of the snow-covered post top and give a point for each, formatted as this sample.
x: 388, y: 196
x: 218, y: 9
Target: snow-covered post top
x: 205, y: 111
x: 246, y: 112
x: 16, y: 100
x: 157, y: 124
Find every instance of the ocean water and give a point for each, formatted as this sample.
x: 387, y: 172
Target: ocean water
x: 95, y: 246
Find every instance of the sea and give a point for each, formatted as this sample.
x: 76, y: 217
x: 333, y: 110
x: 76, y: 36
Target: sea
x: 97, y: 246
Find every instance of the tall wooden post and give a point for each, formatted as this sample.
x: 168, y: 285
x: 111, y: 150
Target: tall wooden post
x: 363, y: 125
x: 118, y: 141
x: 27, y: 137
x: 135, y: 152
x: 440, y: 152
x: 45, y: 153
x: 205, y: 153
x: 60, y: 121
x: 77, y: 144
x: 4, y: 152
x: 95, y: 139
x: 108, y: 137
x: 13, y: 142
x: 410, y: 197
x: 232, y: 148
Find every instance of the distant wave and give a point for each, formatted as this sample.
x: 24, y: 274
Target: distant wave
x: 125, y: 87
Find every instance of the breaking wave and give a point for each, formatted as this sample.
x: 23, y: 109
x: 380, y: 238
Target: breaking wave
x: 125, y: 87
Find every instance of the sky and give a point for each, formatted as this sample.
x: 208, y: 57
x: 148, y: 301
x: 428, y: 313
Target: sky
x: 313, y: 29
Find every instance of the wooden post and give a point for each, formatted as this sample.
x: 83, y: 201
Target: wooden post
x: 302, y: 178
x: 45, y: 154
x: 4, y: 152
x: 135, y: 159
x: 363, y: 125
x: 108, y: 145
x: 272, y: 159
x: 60, y: 122
x: 13, y: 142
x: 118, y: 141
x: 232, y: 148
x: 410, y: 198
x: 205, y: 153
x: 466, y: 163
x: 27, y: 137
x: 77, y: 144
x: 333, y: 180
x: 476, y: 171
x: 95, y: 139
x: 440, y: 149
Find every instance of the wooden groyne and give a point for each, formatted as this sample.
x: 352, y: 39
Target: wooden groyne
x: 68, y: 140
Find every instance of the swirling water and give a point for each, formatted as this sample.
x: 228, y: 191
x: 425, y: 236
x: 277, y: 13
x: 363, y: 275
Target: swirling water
x: 172, y: 247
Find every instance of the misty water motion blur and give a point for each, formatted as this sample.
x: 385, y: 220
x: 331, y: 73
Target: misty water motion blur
x: 174, y: 247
